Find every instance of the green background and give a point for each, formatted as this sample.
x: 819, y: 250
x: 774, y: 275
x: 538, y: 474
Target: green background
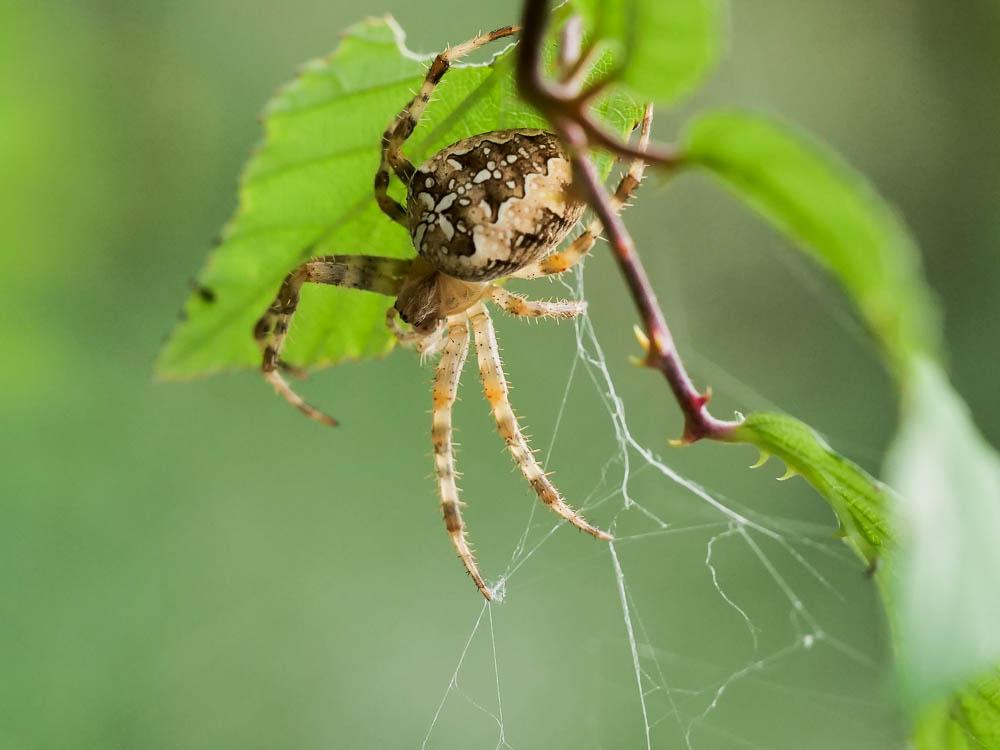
x: 197, y: 566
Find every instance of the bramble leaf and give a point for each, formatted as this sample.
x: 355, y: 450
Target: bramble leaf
x: 858, y: 499
x: 308, y: 191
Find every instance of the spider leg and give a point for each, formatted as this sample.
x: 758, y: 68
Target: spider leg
x: 403, y: 336
x: 563, y: 261
x: 449, y: 370
x: 426, y: 344
x: 403, y: 125
x: 371, y: 273
x: 523, y: 307
x: 411, y: 337
x: 496, y: 390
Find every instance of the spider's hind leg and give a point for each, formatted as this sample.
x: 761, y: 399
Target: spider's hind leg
x: 449, y: 370
x: 496, y: 390
x: 375, y: 274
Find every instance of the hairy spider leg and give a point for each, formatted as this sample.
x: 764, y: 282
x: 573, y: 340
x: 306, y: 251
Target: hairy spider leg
x: 496, y: 390
x: 426, y: 344
x: 523, y: 307
x: 449, y: 371
x: 403, y: 125
x: 564, y: 260
x: 371, y: 273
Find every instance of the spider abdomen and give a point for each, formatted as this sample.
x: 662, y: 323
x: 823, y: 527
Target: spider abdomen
x: 492, y: 203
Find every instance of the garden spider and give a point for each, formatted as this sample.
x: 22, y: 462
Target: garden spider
x: 489, y: 207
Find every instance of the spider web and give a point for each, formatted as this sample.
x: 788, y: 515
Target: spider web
x: 785, y: 661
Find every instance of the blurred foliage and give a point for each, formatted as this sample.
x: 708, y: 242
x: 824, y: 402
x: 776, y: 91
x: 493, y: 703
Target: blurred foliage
x: 966, y: 722
x: 662, y: 50
x: 943, y: 584
x: 832, y: 213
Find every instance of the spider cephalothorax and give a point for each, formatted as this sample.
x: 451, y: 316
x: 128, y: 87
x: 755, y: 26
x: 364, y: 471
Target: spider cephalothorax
x: 491, y: 206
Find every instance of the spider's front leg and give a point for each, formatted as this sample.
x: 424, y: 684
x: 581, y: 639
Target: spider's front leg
x: 370, y: 273
x: 403, y: 125
x: 449, y: 371
x: 425, y: 344
x: 496, y: 390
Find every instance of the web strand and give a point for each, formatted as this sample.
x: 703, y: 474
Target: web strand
x: 633, y: 648
x: 666, y: 706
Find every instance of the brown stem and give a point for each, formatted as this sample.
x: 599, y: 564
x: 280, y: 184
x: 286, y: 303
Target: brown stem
x: 569, y: 100
x: 567, y: 110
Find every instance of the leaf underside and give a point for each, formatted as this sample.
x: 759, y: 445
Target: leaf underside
x: 858, y: 499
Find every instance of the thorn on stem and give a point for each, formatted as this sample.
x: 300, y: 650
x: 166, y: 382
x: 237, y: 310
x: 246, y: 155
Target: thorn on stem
x: 688, y: 437
x: 703, y: 398
x: 789, y: 473
x: 641, y: 337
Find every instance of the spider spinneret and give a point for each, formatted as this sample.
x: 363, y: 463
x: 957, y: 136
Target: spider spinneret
x: 492, y: 206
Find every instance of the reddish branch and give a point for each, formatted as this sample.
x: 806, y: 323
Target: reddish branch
x: 566, y: 104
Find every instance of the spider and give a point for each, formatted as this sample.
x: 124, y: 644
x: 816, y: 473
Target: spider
x: 489, y: 207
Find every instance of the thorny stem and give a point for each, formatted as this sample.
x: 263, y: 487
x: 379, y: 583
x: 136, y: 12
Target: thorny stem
x: 567, y: 108
x: 566, y: 100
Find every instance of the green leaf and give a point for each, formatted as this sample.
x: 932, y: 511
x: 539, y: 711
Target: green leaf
x: 809, y: 193
x: 946, y: 581
x: 857, y: 498
x: 308, y: 191
x: 664, y: 48
x: 969, y: 721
